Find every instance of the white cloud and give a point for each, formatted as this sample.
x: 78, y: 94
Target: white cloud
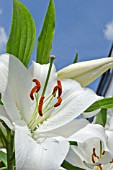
x: 108, y: 31
x: 1, y: 11
x: 3, y: 39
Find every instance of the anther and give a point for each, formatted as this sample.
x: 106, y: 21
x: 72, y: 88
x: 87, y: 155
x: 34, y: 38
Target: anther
x: 103, y: 152
x: 100, y: 166
x: 58, y: 87
x: 41, y: 101
x: 35, y: 88
x: 94, y: 153
x: 111, y: 161
x: 93, y: 159
x: 58, y: 102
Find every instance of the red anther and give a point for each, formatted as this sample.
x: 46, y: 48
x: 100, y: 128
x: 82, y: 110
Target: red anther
x: 94, y: 153
x: 58, y: 102
x: 34, y: 89
x: 100, y: 166
x: 60, y: 88
x: 103, y: 152
x: 41, y: 101
x: 93, y: 159
x: 37, y: 83
x: 54, y: 90
x: 111, y: 161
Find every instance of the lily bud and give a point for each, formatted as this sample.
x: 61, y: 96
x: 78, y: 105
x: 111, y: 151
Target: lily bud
x: 87, y: 71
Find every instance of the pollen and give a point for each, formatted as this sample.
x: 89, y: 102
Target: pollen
x: 41, y: 101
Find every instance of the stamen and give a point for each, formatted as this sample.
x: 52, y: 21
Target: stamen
x: 58, y: 87
x: 94, y: 153
x: 111, y: 161
x: 93, y: 158
x: 103, y: 152
x: 41, y: 101
x: 35, y: 88
x: 100, y: 166
x: 58, y: 102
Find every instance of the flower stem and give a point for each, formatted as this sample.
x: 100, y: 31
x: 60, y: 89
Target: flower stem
x: 48, y: 75
x: 10, y: 161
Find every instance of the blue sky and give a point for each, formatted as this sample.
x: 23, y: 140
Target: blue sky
x: 85, y: 25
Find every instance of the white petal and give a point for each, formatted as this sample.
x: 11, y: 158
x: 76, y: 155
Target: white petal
x: 75, y: 100
x: 70, y: 128
x: 110, y: 141
x: 15, y: 86
x: 75, y: 157
x: 4, y: 116
x: 88, y: 132
x: 42, y: 154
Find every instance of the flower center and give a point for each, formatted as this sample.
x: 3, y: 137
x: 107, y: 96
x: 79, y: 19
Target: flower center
x: 95, y: 157
x: 39, y: 111
x: 43, y: 105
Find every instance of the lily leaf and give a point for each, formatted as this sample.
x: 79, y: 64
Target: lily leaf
x: 22, y: 34
x: 68, y: 166
x: 76, y: 58
x: 44, y: 44
x: 101, y: 117
x: 105, y: 103
x: 3, y: 158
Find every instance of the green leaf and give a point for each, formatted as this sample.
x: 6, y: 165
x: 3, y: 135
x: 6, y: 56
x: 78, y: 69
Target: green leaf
x: 68, y: 166
x: 22, y: 34
x: 3, y: 158
x: 105, y: 103
x: 76, y: 58
x: 73, y: 143
x: 44, y: 44
x: 101, y: 117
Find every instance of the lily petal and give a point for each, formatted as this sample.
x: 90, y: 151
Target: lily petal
x: 70, y: 128
x: 4, y: 116
x: 38, y: 154
x: 75, y: 100
x: 86, y: 72
x: 15, y: 86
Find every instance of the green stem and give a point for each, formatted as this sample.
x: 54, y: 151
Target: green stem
x: 48, y: 75
x: 10, y: 162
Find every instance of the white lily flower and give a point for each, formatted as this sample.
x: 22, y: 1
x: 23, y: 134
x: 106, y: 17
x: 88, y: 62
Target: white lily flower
x: 94, y: 150
x: 86, y: 72
x: 37, y: 121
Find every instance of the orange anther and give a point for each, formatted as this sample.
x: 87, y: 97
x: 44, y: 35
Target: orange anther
x: 58, y: 87
x: 58, y: 102
x: 111, y: 161
x: 35, y: 88
x: 100, y: 166
x: 41, y: 101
